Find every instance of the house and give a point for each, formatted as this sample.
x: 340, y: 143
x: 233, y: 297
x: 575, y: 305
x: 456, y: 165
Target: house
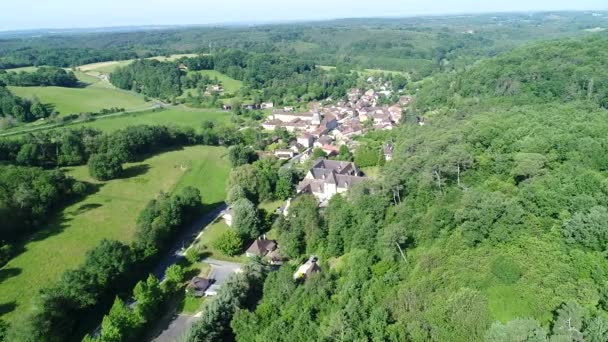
x: 330, y: 150
x: 323, y: 140
x: 227, y: 216
x: 198, y: 286
x: 216, y: 88
x: 329, y: 122
x: 329, y: 177
x: 305, y: 140
x: 261, y: 247
x: 266, y: 105
x: 226, y: 107
x: 288, y: 109
x: 284, y: 154
x: 307, y: 269
x: 388, y: 151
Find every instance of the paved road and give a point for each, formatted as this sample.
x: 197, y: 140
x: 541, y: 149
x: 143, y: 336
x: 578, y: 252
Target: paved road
x: 186, y: 236
x: 220, y: 271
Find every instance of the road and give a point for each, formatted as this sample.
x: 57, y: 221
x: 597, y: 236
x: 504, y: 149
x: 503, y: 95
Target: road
x: 186, y: 236
x: 220, y: 271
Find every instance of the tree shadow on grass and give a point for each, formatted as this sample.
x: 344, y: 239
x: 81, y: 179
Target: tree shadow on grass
x: 9, y: 272
x: 135, y: 170
x: 7, y: 307
x: 145, y: 156
x: 56, y: 223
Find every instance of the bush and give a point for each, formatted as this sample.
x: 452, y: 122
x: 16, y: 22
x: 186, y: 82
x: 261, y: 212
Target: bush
x: 229, y: 243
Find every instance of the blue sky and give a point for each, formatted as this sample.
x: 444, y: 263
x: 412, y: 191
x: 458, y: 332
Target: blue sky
x: 27, y: 14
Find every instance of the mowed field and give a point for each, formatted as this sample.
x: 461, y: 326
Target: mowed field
x: 178, y: 116
x: 91, y: 98
x: 110, y: 66
x: 109, y: 213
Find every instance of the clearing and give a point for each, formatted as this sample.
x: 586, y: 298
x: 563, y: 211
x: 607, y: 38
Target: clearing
x: 110, y: 213
x: 110, y: 66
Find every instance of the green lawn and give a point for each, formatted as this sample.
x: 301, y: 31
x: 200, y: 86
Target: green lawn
x: 92, y: 98
x: 206, y: 240
x: 110, y: 213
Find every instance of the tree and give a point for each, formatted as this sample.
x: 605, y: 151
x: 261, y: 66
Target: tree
x: 118, y: 324
x: 149, y: 296
x: 596, y: 329
x: 245, y: 219
x: 568, y: 323
x: 368, y: 156
x: 318, y: 153
x: 104, y: 167
x: 527, y: 330
x: 174, y: 276
x: 235, y: 193
x: 588, y: 228
x: 344, y: 154
x: 239, y: 155
x: 229, y: 243
x: 284, y: 187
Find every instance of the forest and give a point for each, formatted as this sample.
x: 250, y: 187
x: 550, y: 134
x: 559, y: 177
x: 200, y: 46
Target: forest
x: 43, y: 76
x: 498, y: 205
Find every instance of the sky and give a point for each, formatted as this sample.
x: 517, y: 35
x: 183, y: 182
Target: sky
x: 31, y: 14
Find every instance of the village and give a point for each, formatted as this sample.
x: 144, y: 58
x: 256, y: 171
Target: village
x: 330, y: 126
x: 326, y: 127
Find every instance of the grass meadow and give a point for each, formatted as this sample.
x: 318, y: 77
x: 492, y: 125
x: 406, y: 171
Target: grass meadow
x: 109, y: 213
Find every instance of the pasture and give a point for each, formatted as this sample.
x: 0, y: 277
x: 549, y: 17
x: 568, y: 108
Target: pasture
x: 178, y: 116
x: 110, y: 66
x: 109, y: 213
x: 93, y: 97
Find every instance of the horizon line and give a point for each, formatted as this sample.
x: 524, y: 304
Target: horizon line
x: 292, y: 21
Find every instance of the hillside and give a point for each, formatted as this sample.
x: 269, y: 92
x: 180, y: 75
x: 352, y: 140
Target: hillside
x: 557, y: 71
x: 499, y: 205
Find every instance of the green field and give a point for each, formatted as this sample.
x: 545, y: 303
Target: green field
x: 179, y: 116
x: 111, y: 66
x: 110, y: 213
x: 26, y: 69
x: 230, y: 84
x: 92, y: 98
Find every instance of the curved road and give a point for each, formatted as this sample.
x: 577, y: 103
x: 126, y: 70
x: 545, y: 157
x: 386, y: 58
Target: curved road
x: 186, y: 236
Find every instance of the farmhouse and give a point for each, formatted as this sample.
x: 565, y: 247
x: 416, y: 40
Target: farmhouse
x: 329, y: 177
